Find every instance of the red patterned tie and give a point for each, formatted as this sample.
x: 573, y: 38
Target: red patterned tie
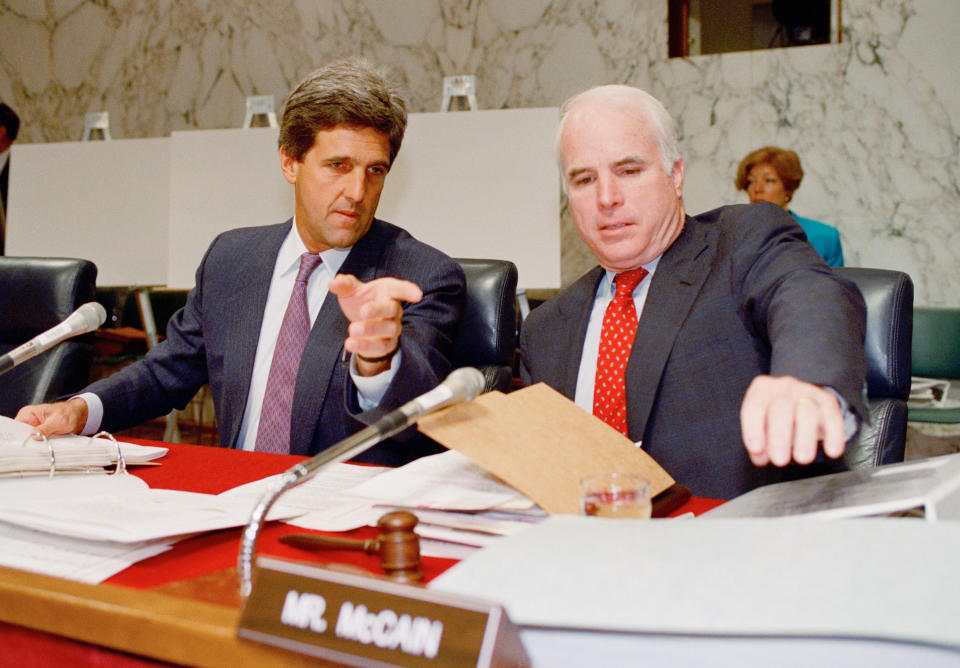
x: 273, y: 434
x: 616, y: 340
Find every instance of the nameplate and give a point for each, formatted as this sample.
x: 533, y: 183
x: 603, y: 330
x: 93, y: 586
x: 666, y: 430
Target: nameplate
x: 361, y: 621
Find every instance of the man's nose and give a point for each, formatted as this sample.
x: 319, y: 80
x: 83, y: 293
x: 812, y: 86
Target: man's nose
x: 356, y: 185
x: 608, y: 192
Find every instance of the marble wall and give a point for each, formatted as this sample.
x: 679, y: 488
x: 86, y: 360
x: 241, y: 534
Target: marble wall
x: 875, y: 119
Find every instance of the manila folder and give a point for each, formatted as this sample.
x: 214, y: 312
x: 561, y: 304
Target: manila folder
x: 541, y: 443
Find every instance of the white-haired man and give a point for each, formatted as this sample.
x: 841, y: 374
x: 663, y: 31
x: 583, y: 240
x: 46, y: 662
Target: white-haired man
x: 732, y: 346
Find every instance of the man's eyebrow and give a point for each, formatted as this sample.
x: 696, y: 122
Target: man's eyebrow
x: 630, y: 159
x: 348, y: 158
x: 577, y: 171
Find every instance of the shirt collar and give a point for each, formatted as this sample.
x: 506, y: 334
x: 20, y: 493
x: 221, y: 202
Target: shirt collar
x: 606, y: 283
x: 288, y: 259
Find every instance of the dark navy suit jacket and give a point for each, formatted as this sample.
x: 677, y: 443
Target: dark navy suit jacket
x: 738, y: 294
x: 213, y: 339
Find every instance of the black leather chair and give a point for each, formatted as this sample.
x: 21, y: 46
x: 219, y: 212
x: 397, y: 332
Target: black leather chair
x: 35, y: 295
x: 486, y: 336
x: 889, y: 298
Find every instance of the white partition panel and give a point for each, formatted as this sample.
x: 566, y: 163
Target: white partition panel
x: 482, y: 184
x: 473, y: 184
x: 106, y: 201
x: 219, y: 180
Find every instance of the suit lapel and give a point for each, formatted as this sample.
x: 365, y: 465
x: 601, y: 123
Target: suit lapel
x: 324, y: 347
x: 675, y: 285
x: 574, y: 311
x: 251, y: 302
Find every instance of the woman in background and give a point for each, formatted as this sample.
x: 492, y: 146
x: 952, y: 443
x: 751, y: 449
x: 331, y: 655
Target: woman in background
x: 772, y: 174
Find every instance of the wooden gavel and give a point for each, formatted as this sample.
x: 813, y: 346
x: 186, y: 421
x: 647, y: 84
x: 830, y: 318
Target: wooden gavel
x: 398, y: 546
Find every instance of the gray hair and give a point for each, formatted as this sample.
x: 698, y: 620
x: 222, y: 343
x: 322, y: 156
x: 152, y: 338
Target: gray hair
x: 344, y: 92
x: 634, y: 99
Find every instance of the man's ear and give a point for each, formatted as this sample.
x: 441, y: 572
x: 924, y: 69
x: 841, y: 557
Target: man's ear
x: 677, y: 176
x: 289, y: 166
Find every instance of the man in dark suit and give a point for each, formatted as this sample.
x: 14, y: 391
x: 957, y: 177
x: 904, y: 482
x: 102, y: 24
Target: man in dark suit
x: 382, y: 305
x: 748, y: 351
x: 9, y: 127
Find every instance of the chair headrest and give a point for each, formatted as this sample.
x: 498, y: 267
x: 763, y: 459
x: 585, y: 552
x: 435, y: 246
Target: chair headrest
x: 487, y: 331
x: 38, y: 293
x: 889, y: 298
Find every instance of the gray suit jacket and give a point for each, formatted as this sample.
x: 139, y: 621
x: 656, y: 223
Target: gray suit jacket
x: 213, y: 339
x: 739, y: 293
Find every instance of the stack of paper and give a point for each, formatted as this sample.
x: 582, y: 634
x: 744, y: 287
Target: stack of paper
x: 844, y: 579
x: 87, y: 527
x: 76, y: 559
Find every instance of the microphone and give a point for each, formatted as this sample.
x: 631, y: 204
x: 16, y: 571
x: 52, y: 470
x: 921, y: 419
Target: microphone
x: 461, y: 385
x: 85, y: 319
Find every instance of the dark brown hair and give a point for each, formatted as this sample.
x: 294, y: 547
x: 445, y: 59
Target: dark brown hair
x: 344, y: 92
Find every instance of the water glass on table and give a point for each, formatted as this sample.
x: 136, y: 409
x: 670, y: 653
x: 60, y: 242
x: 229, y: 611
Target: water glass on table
x: 621, y: 495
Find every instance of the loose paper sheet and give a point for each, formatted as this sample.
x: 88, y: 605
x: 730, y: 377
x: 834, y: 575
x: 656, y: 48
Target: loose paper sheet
x: 319, y: 500
x: 541, y: 443
x: 127, y: 514
x: 445, y: 481
x: 931, y: 485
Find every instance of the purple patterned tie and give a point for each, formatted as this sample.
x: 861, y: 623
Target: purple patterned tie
x: 273, y: 434
x: 616, y: 341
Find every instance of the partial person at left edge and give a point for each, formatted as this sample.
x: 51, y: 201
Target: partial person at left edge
x: 9, y: 127
x: 371, y: 308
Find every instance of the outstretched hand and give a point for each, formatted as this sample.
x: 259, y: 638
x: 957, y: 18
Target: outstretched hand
x: 375, y: 312
x: 783, y: 418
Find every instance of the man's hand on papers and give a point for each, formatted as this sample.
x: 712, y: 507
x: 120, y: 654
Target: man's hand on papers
x: 374, y: 310
x: 63, y: 417
x: 783, y: 418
